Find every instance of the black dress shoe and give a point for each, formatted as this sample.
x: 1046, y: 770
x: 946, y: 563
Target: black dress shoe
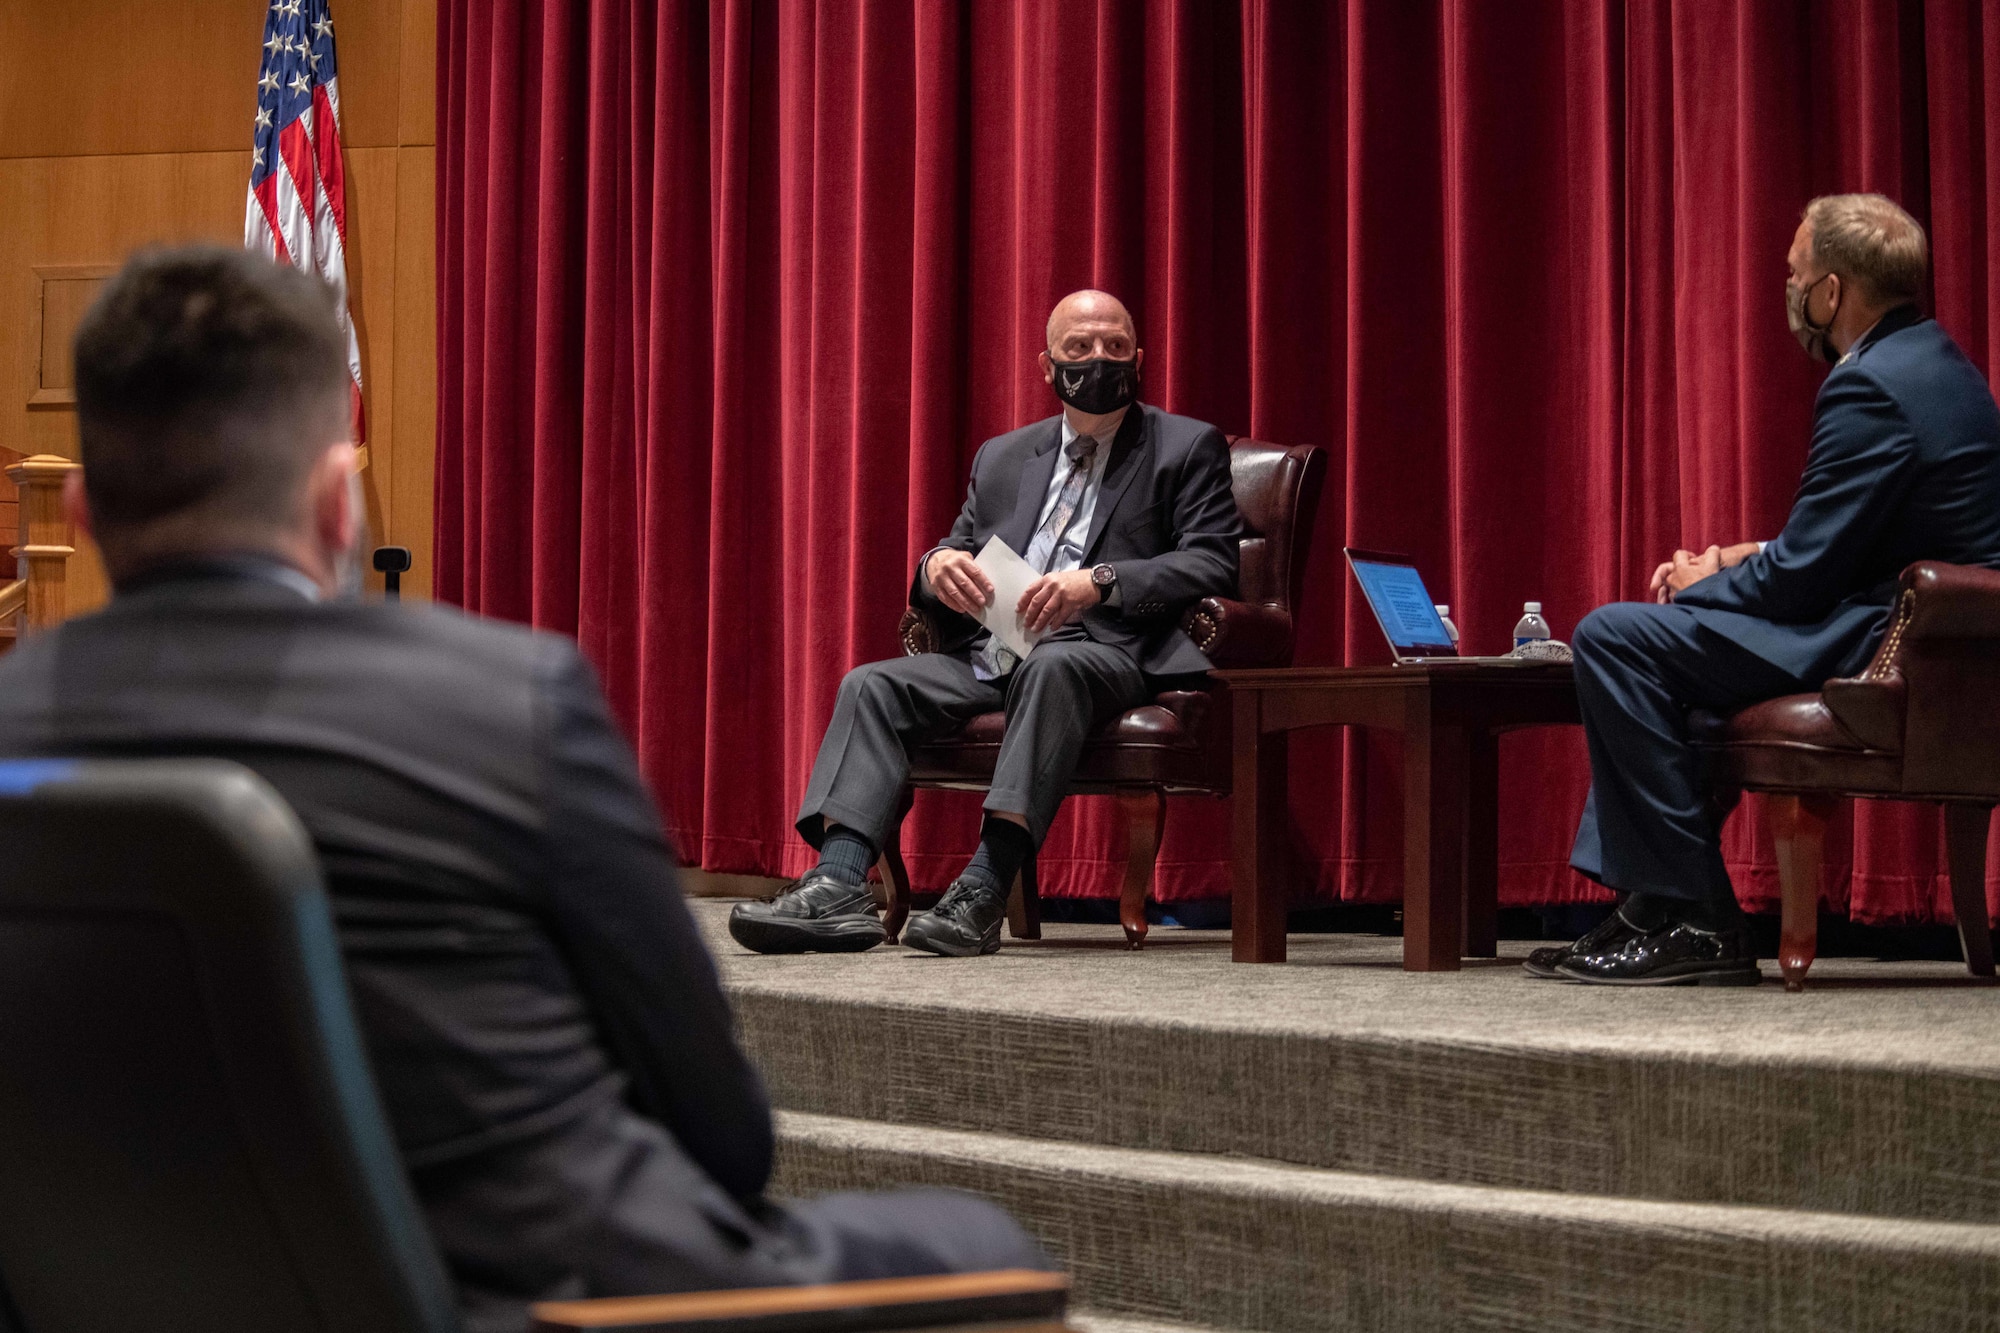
x: 813, y: 914
x: 1612, y: 932
x: 1674, y: 955
x: 966, y: 922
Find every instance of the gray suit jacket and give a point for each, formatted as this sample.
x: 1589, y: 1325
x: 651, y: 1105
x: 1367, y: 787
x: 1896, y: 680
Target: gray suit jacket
x: 546, y: 1027
x: 1166, y: 520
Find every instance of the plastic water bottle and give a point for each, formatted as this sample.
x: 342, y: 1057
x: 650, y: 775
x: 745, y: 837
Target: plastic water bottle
x: 1444, y: 614
x: 1530, y: 628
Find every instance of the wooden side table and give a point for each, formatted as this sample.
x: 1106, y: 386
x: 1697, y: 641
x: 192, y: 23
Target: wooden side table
x: 1451, y: 714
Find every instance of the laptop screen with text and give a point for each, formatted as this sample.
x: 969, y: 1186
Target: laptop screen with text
x: 1403, y: 605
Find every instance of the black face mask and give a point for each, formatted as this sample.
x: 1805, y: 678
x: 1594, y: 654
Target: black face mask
x: 1097, y: 387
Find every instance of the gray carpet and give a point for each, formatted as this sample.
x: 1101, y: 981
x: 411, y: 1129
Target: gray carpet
x: 1245, y: 1244
x: 1336, y: 1143
x: 1878, y: 1091
x: 1875, y: 1014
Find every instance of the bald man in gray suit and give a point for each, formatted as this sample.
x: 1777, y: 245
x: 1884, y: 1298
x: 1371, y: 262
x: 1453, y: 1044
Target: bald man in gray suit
x: 1127, y: 515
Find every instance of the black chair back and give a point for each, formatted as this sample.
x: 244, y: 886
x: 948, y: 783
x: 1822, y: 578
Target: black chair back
x: 190, y: 1137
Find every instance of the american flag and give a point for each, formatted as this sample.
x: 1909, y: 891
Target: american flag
x: 298, y: 191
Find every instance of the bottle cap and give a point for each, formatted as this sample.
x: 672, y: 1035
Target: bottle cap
x: 1533, y: 608
x: 1442, y: 610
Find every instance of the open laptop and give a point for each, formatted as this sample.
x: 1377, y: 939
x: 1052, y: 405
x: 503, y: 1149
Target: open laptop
x: 1403, y: 608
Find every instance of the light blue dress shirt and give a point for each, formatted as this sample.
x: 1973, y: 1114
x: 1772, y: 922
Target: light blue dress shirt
x: 1069, y: 552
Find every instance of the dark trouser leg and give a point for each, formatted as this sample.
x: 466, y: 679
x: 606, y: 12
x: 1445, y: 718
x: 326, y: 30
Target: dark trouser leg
x: 864, y: 759
x: 1063, y: 689
x: 611, y: 1205
x: 1647, y: 826
x: 914, y: 1232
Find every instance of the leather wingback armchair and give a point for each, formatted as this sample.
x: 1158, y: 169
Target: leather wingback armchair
x: 1179, y: 743
x: 1919, y: 724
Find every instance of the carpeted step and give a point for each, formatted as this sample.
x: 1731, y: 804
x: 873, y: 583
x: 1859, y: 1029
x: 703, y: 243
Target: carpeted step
x: 1876, y: 1092
x: 1230, y: 1242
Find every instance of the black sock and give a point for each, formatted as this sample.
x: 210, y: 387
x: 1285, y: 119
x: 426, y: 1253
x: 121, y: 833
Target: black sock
x: 1651, y: 911
x: 1647, y: 911
x: 1711, y: 914
x: 1004, y: 847
x: 846, y: 855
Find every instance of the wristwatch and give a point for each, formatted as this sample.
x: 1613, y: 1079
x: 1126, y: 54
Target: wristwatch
x: 1104, y: 578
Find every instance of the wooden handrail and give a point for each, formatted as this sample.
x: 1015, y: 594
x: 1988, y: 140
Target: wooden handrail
x: 1021, y: 1299
x: 40, y: 595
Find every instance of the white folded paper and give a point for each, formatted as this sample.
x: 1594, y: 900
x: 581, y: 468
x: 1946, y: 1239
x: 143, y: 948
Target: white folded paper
x: 1011, y: 576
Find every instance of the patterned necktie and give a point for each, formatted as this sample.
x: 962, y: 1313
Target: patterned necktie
x: 993, y: 660
x: 1043, y: 548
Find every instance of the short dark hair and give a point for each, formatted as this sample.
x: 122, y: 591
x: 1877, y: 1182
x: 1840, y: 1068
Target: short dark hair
x: 1871, y: 242
x: 208, y: 382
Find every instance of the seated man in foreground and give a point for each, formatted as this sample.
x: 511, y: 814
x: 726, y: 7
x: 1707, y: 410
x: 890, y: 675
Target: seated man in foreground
x: 551, y: 1043
x: 1127, y: 515
x: 1904, y: 466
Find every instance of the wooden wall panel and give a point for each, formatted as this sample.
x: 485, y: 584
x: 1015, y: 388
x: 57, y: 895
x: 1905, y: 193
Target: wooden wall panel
x: 417, y: 82
x: 84, y: 181
x: 74, y: 71
x: 65, y: 293
x: 93, y: 210
x: 411, y: 480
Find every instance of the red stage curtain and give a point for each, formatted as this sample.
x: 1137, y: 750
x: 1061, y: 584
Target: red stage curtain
x: 730, y: 292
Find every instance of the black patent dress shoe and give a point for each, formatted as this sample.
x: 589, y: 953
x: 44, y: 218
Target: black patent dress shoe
x: 964, y: 924
x: 1673, y: 955
x: 1612, y: 932
x: 813, y: 914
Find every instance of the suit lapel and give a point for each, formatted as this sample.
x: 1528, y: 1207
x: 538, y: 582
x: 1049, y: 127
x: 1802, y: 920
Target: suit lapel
x: 1037, y: 471
x: 1129, y: 450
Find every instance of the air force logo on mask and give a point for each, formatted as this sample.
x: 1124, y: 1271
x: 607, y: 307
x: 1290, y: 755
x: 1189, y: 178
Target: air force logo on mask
x: 1097, y: 386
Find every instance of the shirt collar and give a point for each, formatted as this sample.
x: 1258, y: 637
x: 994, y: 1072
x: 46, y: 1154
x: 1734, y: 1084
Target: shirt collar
x: 221, y: 567
x: 1106, y: 434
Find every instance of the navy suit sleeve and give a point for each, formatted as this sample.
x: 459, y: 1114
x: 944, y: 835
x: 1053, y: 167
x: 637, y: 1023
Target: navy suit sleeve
x: 1862, y: 465
x: 1207, y: 536
x: 633, y: 944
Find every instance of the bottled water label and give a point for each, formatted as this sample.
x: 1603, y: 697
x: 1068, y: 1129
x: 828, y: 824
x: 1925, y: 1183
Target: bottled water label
x: 1531, y: 628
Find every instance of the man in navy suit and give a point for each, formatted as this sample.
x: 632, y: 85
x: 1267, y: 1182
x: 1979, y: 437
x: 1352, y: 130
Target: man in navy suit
x: 1904, y: 466
x: 1126, y: 513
